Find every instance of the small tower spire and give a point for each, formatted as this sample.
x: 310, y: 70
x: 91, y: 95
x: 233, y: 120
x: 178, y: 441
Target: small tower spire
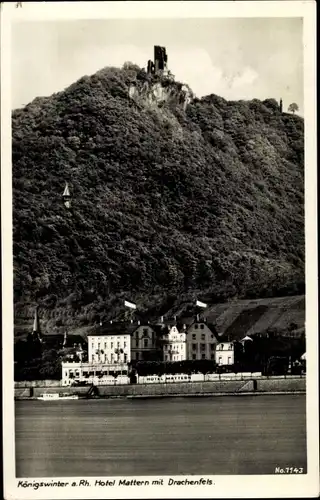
x: 36, y: 333
x: 67, y: 196
x: 65, y: 339
x: 281, y: 105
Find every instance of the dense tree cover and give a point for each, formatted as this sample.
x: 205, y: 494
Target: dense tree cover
x: 33, y: 362
x: 167, y: 203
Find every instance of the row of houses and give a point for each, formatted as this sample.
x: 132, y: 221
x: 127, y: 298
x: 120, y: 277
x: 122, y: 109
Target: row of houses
x: 113, y: 346
x: 125, y: 343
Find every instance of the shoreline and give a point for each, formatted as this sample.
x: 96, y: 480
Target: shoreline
x: 178, y: 395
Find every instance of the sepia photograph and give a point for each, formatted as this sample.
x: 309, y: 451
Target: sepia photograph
x: 158, y: 208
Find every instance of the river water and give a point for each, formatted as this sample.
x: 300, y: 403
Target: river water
x: 171, y: 436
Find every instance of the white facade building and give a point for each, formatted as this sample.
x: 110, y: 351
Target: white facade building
x: 174, y: 344
x: 225, y: 353
x: 93, y: 373
x: 201, y: 342
x: 109, y: 348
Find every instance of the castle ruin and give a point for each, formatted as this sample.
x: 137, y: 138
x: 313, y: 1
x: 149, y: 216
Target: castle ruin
x: 159, y: 66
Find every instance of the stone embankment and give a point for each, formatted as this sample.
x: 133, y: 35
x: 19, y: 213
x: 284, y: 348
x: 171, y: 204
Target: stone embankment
x: 274, y: 385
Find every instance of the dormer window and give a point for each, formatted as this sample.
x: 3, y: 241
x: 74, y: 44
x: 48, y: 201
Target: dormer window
x: 202, y: 327
x: 196, y: 326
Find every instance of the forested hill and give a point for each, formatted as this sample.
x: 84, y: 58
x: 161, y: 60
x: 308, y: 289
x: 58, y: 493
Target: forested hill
x: 173, y: 198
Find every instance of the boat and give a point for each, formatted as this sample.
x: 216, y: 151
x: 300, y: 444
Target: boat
x: 56, y: 396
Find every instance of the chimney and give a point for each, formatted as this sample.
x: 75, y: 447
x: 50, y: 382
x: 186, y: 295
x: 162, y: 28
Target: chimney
x: 138, y: 321
x: 110, y: 321
x: 198, y: 318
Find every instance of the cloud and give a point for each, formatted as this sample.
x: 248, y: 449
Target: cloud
x: 247, y: 77
x: 195, y: 67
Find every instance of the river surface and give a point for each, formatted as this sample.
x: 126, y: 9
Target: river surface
x: 170, y: 436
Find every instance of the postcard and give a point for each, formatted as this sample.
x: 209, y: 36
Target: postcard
x: 159, y: 249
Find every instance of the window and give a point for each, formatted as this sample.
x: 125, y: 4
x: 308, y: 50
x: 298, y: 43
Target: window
x: 125, y: 344
x: 202, y: 327
x: 203, y: 347
x: 212, y: 347
x: 203, y: 337
x: 145, y: 331
x: 145, y: 343
x: 203, y: 356
x: 137, y: 335
x: 125, y: 358
x: 212, y: 356
x: 194, y: 346
x: 194, y: 356
x: 118, y: 344
x: 231, y: 347
x: 196, y: 326
x: 221, y: 347
x: 111, y: 345
x: 229, y: 361
x: 220, y: 360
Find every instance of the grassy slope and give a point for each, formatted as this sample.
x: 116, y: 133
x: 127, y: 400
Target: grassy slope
x: 167, y: 205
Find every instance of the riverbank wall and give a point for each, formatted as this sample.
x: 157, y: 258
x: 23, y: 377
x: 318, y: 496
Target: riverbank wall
x: 226, y: 387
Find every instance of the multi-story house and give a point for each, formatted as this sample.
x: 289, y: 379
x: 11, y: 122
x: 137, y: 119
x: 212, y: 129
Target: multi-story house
x: 109, y: 352
x: 201, y: 341
x: 174, y: 344
x: 110, y: 344
x: 225, y: 353
x: 144, y: 344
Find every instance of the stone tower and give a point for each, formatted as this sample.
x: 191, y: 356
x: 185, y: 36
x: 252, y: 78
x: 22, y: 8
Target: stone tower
x: 160, y: 63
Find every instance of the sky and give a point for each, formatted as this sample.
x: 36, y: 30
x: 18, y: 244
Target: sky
x: 235, y: 58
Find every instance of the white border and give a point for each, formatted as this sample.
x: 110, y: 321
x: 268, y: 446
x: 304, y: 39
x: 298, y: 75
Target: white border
x: 224, y: 486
